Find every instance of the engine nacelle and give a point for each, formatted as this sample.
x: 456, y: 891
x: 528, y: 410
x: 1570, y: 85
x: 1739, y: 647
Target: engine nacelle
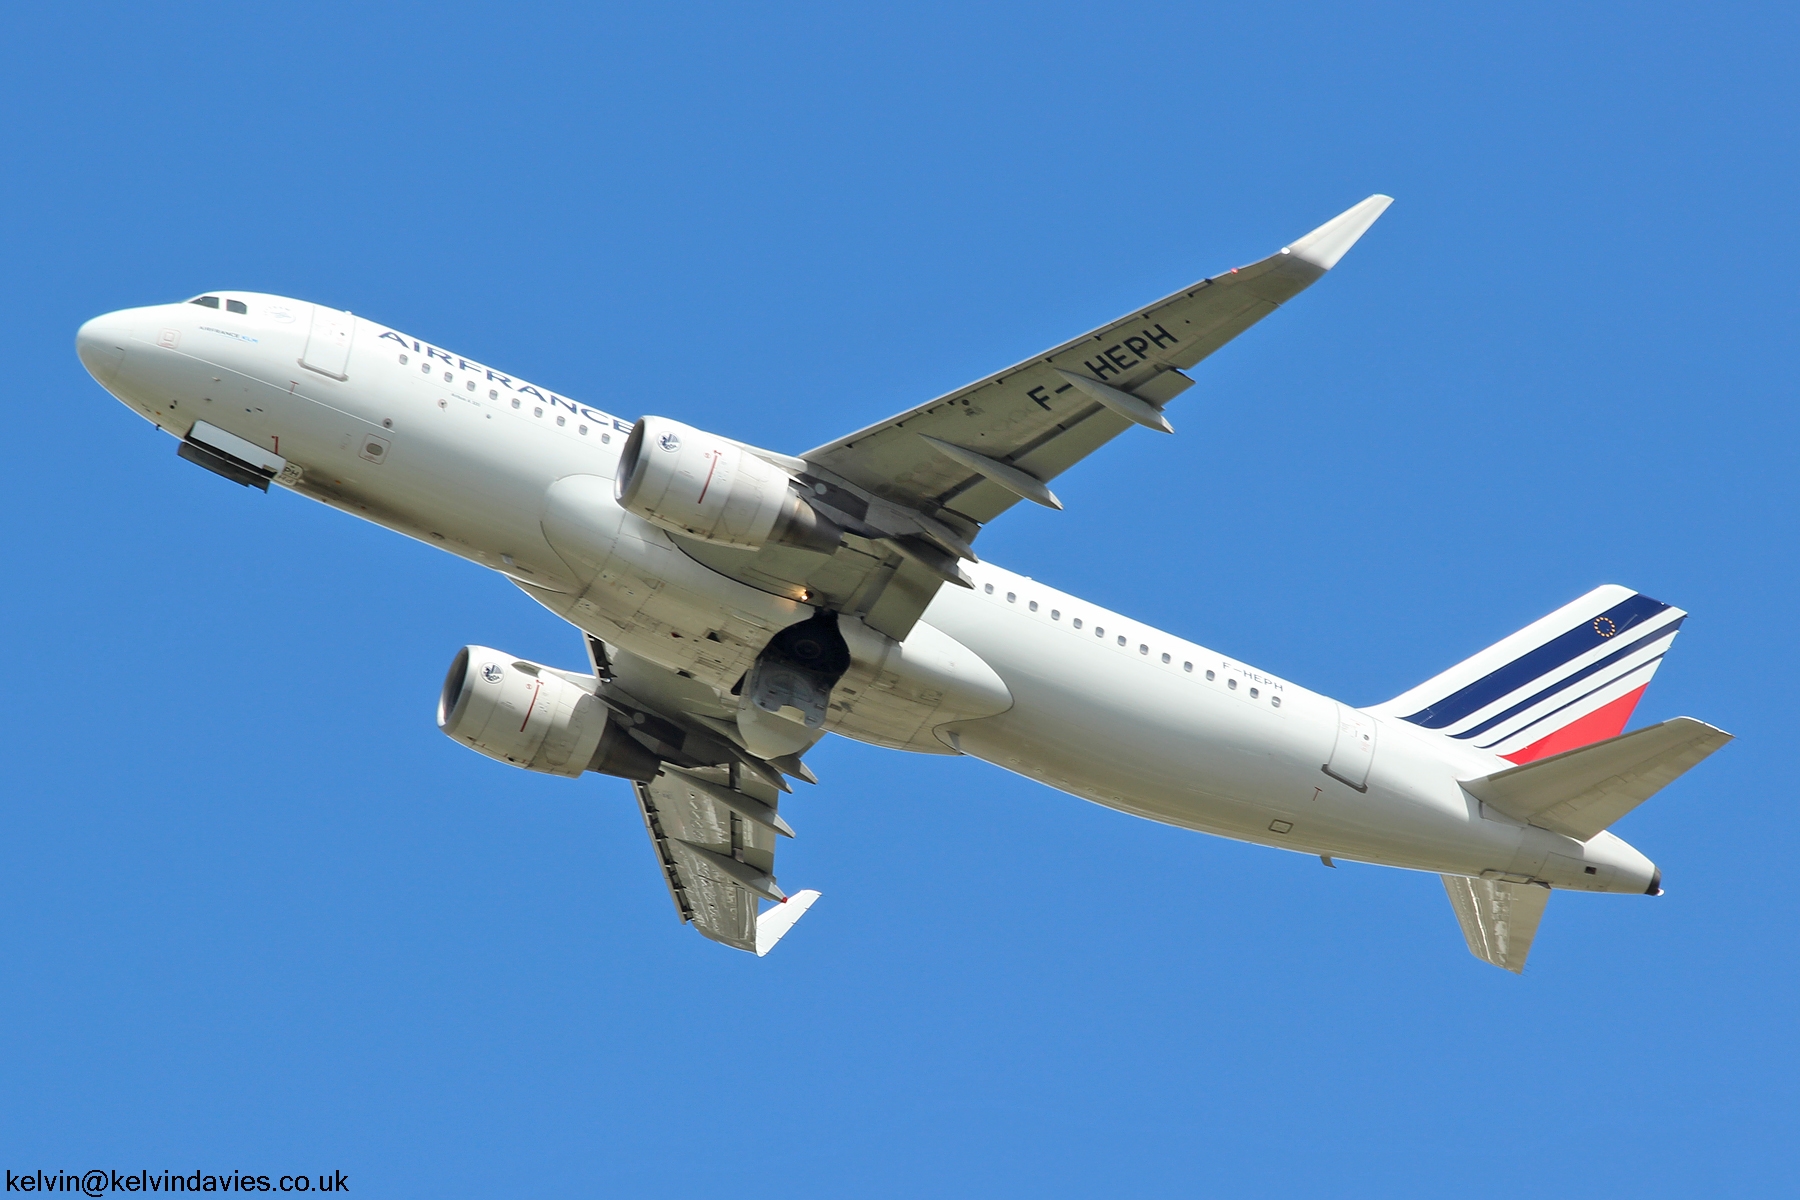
x: 700, y: 485
x: 526, y: 714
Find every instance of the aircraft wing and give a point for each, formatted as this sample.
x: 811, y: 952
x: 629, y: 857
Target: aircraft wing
x: 714, y: 839
x: 912, y: 492
x: 711, y: 808
x: 971, y: 454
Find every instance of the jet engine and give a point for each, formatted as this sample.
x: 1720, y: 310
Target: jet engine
x: 533, y: 717
x: 703, y: 486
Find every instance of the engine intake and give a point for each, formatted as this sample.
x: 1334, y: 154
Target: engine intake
x: 703, y: 486
x: 526, y: 714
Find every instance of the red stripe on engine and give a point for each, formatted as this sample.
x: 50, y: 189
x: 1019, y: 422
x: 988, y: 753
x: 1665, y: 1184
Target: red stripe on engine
x: 1606, y: 721
x: 709, y: 475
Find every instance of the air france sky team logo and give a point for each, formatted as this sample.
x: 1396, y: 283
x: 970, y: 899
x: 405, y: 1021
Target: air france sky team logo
x: 670, y: 441
x: 492, y: 672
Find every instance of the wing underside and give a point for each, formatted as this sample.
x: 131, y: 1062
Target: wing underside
x: 1043, y: 415
x: 914, y: 490
x: 713, y: 830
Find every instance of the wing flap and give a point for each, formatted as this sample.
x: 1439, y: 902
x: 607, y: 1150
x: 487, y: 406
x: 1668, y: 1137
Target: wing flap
x: 1498, y: 919
x: 1581, y: 792
x: 717, y: 864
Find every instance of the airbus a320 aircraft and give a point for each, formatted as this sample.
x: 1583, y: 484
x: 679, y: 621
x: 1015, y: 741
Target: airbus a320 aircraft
x: 739, y: 603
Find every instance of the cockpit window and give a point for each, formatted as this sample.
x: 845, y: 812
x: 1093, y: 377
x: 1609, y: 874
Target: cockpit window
x: 236, y: 306
x: 206, y: 301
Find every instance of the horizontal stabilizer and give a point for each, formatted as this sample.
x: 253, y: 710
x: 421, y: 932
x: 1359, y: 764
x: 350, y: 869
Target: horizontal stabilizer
x: 775, y: 922
x: 1499, y: 919
x: 1581, y: 792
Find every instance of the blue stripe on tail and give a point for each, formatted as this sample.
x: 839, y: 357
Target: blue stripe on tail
x: 1655, y: 635
x: 1534, y: 664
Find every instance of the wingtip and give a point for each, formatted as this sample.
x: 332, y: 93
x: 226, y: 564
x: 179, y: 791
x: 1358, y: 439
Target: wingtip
x: 1324, y: 246
x: 773, y: 923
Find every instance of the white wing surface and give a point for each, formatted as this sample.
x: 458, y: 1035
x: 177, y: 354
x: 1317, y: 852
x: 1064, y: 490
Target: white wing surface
x: 714, y: 831
x: 914, y: 491
x: 1041, y: 416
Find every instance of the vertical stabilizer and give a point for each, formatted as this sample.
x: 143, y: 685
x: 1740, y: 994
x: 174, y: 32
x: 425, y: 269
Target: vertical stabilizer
x: 1565, y: 681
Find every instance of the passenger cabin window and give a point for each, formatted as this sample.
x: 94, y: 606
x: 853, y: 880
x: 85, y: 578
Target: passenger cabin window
x: 988, y: 588
x: 1033, y: 606
x: 1011, y: 597
x: 205, y: 301
x: 1078, y: 622
x: 1187, y: 666
x: 1209, y: 675
x: 1254, y: 693
x: 1232, y: 684
x: 1275, y: 700
x: 236, y: 306
x: 1165, y: 658
x: 1056, y: 614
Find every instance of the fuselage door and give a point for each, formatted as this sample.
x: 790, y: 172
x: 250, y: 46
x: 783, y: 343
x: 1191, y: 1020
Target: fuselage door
x: 1354, y: 749
x: 328, y: 345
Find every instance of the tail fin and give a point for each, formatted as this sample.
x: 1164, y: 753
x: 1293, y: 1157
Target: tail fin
x: 1565, y: 681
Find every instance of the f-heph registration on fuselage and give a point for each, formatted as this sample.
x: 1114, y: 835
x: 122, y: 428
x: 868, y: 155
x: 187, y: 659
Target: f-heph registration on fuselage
x: 739, y: 603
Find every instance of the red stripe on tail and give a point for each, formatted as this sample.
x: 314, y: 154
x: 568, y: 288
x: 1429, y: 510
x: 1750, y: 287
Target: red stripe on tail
x: 1606, y: 721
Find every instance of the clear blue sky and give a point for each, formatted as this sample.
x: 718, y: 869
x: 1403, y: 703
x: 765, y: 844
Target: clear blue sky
x: 256, y: 913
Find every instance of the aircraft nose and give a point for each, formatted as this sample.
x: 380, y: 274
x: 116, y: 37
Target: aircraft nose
x: 100, y: 344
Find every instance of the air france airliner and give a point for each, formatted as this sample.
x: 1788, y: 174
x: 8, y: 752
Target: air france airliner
x: 738, y: 603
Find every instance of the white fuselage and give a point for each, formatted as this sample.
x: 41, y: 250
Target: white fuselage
x: 518, y: 479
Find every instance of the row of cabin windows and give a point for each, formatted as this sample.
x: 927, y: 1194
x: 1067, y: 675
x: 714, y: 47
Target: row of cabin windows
x: 236, y: 306
x: 1143, y: 647
x: 494, y: 394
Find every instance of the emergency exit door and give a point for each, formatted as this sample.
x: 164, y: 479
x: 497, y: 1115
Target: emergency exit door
x: 1354, y: 749
x: 328, y: 344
